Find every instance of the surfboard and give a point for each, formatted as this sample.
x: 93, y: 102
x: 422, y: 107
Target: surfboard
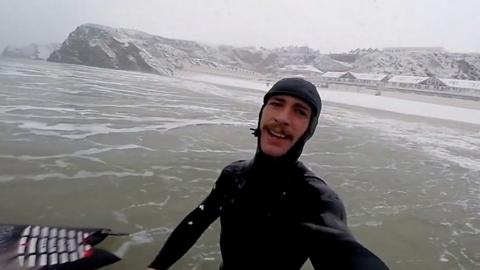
x: 35, y: 247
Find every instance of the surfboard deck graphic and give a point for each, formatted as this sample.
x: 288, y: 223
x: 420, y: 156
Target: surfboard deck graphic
x: 31, y: 247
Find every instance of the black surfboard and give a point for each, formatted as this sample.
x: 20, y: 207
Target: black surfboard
x: 31, y: 247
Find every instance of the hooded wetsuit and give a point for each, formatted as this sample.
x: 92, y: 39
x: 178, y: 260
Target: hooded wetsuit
x: 274, y: 212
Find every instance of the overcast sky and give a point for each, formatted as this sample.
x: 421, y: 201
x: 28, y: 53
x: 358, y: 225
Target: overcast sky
x: 327, y: 25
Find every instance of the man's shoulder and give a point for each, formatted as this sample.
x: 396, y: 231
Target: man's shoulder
x: 307, y: 174
x: 232, y: 176
x: 315, y: 183
x: 236, y: 167
x: 321, y: 194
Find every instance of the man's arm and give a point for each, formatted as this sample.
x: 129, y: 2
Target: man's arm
x: 335, y: 248
x: 190, y: 228
x: 330, y: 243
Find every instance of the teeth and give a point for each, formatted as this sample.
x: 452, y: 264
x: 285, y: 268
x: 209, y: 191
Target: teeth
x: 283, y: 136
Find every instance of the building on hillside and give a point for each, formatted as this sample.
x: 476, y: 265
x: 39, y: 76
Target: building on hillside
x: 330, y: 77
x: 407, y: 82
x: 450, y: 87
x: 413, y: 49
x: 464, y: 87
x: 369, y: 79
x: 415, y: 83
x: 307, y: 72
x: 353, y: 78
x: 333, y: 76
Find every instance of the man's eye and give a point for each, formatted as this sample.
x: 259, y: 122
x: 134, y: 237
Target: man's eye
x: 302, y: 112
x: 275, y: 104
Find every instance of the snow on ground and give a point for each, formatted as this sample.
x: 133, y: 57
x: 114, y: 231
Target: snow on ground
x: 391, y: 104
x: 404, y: 106
x: 223, y: 80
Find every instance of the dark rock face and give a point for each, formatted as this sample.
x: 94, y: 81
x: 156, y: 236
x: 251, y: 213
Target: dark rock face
x: 106, y: 47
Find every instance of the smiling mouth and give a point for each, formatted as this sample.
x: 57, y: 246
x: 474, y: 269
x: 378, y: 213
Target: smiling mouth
x: 277, y: 134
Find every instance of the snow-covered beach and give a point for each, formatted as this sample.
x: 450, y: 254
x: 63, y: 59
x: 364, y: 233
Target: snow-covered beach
x: 451, y: 109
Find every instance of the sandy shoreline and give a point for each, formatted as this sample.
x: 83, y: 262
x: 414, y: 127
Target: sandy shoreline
x: 436, y: 109
x: 223, y: 79
x: 454, y: 102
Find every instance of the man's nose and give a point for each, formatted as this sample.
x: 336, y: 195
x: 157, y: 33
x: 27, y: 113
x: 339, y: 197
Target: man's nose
x: 283, y: 116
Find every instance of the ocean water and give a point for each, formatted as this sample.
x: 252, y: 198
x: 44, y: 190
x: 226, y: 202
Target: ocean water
x: 84, y: 146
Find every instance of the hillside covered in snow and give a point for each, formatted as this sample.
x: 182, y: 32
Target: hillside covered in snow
x: 126, y: 49
x: 415, y: 63
x: 103, y: 46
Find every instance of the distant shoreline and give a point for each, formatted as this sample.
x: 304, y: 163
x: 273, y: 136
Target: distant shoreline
x: 425, y: 98
x: 410, y: 104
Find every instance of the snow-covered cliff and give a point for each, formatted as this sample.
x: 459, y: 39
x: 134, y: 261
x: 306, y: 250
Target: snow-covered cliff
x: 118, y: 48
x: 103, y: 46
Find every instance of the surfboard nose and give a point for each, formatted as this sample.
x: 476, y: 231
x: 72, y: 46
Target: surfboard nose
x: 54, y: 248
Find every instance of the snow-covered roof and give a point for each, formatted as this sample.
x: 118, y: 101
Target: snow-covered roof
x: 369, y: 76
x: 407, y: 79
x: 461, y: 83
x: 333, y: 74
x: 342, y: 63
x: 309, y: 68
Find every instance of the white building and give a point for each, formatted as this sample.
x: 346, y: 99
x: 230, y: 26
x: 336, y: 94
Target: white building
x: 308, y: 72
x: 370, y: 79
x: 353, y: 78
x: 413, y: 49
x: 431, y: 85
x: 464, y: 88
x: 333, y: 76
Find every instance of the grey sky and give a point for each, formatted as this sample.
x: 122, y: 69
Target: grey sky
x: 327, y: 25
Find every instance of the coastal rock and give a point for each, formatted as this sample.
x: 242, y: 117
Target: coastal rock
x: 103, y: 46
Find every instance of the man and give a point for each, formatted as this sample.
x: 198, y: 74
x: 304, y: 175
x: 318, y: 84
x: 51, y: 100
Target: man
x: 274, y: 212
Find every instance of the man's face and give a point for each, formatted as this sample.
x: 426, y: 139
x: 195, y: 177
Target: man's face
x: 284, y: 120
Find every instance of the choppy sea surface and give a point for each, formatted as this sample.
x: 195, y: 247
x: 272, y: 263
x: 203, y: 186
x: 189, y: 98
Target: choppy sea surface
x: 84, y: 146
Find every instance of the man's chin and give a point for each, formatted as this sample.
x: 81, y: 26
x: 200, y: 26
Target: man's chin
x: 275, y: 148
x: 274, y: 152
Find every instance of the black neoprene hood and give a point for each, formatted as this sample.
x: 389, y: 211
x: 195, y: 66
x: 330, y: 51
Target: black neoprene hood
x: 299, y: 88
x: 304, y: 90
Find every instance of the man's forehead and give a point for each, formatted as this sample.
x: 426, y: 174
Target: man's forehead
x: 296, y: 100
